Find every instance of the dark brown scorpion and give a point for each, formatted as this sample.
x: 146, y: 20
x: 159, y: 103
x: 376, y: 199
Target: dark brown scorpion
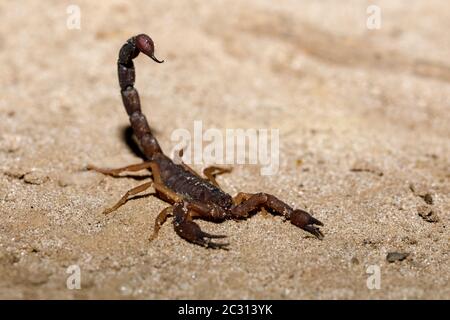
x: 190, y: 195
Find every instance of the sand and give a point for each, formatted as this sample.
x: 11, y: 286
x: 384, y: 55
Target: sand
x: 363, y: 117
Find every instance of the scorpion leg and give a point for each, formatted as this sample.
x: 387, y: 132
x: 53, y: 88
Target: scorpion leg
x: 131, y: 192
x: 115, y: 172
x: 189, y: 230
x: 160, y: 219
x: 213, y: 171
x: 161, y: 189
x: 245, y: 203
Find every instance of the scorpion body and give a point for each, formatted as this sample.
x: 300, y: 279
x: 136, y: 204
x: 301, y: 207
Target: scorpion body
x: 190, y: 195
x: 184, y: 182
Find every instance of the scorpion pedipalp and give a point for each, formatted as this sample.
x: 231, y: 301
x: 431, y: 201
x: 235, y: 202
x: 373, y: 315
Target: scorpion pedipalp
x: 305, y: 221
x: 189, y: 230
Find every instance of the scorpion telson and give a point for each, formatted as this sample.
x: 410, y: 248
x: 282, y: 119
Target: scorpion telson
x: 191, y: 196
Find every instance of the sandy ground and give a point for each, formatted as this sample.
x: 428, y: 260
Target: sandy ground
x: 364, y: 132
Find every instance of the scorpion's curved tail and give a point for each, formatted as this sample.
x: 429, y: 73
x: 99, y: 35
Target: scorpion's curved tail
x: 130, y: 97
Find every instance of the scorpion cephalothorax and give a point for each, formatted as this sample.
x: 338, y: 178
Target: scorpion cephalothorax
x: 190, y: 195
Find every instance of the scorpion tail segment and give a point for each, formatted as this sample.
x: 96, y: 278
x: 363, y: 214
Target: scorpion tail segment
x: 130, y: 96
x: 145, y: 44
x: 305, y: 221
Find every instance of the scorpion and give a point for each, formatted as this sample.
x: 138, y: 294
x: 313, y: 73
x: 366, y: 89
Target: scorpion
x: 191, y: 196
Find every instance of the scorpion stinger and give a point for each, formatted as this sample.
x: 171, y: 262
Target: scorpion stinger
x: 145, y: 44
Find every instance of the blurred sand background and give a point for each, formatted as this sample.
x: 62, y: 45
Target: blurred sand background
x: 364, y: 131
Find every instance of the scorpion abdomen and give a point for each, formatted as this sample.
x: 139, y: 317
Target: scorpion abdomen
x: 193, y: 187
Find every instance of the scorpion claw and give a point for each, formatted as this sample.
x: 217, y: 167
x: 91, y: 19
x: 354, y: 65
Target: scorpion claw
x: 213, y: 236
x: 191, y: 231
x: 305, y: 221
x: 315, y: 221
x: 205, y: 240
x: 215, y: 245
x: 314, y: 230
